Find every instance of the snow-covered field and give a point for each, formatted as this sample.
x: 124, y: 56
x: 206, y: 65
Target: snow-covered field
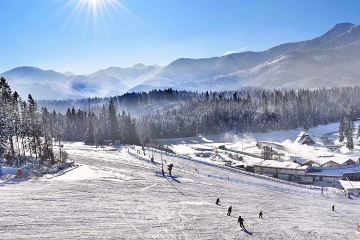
x: 120, y: 194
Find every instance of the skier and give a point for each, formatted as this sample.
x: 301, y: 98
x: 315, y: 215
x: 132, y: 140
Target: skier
x: 170, y: 166
x: 333, y: 207
x: 241, y: 221
x: 261, y: 214
x: 217, y: 201
x: 229, y: 211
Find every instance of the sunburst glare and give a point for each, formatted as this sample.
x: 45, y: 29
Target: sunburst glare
x: 97, y: 11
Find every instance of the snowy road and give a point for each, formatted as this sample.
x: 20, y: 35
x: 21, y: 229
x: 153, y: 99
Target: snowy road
x: 115, y: 195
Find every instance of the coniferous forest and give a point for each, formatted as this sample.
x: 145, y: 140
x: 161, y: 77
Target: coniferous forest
x: 35, y: 127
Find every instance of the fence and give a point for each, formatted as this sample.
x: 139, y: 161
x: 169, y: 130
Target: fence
x: 241, y: 181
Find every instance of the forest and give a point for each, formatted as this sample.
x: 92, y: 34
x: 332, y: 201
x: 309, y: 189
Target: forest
x: 33, y: 128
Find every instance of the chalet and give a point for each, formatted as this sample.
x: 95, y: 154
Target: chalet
x: 305, y: 162
x: 331, y: 146
x: 310, y: 163
x: 284, y: 170
x: 330, y: 163
x: 323, y: 161
x: 323, y: 176
x: 304, y: 138
x: 334, y: 174
x: 348, y: 162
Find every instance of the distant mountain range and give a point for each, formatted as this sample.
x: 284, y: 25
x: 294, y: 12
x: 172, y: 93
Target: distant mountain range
x: 332, y: 59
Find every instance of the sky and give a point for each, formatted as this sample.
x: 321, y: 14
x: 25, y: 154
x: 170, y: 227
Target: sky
x: 83, y: 36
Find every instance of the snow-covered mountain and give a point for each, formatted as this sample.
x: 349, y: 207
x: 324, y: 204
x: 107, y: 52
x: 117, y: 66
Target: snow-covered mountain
x: 328, y: 60
x: 48, y: 84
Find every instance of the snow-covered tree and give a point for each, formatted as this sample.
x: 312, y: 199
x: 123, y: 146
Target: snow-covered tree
x: 90, y: 134
x: 114, y: 128
x: 341, y: 130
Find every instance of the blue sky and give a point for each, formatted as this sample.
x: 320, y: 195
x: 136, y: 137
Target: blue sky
x: 84, y: 36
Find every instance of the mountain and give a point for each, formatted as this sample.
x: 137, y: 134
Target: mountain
x: 34, y: 74
x: 48, y: 84
x: 331, y: 59
x: 41, y: 84
x: 129, y: 77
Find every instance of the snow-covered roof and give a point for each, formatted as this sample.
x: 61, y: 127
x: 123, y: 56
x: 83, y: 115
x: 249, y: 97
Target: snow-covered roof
x: 323, y: 160
x: 279, y: 164
x: 300, y: 160
x: 336, y: 171
x: 347, y: 185
x: 304, y: 138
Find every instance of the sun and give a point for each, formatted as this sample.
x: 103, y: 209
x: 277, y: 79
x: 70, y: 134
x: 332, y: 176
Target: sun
x: 96, y: 3
x: 96, y: 9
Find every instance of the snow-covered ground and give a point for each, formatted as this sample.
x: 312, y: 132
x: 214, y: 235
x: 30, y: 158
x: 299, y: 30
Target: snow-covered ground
x: 318, y: 152
x: 121, y: 194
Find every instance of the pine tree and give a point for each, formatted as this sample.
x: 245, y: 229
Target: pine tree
x: 128, y: 130
x: 90, y: 134
x: 35, y: 127
x: 99, y: 136
x: 102, y: 131
x: 47, y: 144
x: 341, y: 130
x: 114, y: 128
x: 4, y: 131
x: 349, y: 134
x: 7, y: 125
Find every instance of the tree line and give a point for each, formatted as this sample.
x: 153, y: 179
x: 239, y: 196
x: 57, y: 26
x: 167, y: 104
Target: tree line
x: 253, y: 111
x: 23, y: 129
x: 139, y: 118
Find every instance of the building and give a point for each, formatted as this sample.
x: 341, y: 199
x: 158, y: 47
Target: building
x: 351, y: 186
x: 304, y: 138
x: 284, y: 170
x: 294, y: 171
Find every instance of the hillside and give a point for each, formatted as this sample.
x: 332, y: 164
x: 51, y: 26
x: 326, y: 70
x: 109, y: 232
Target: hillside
x: 120, y: 193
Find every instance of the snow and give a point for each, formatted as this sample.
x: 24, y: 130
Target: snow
x: 318, y: 153
x: 349, y: 185
x: 119, y: 194
x: 278, y: 164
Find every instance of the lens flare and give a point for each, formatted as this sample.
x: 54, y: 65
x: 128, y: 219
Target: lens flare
x: 97, y: 11
x: 99, y: 7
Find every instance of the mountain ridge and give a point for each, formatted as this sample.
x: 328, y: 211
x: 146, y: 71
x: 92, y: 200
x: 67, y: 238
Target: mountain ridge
x: 325, y: 61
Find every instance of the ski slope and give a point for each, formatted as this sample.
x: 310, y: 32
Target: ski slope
x: 119, y: 194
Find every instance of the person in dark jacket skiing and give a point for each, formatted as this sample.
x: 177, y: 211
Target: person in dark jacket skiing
x: 217, y: 201
x: 261, y: 214
x: 170, y: 166
x: 241, y: 221
x: 229, y: 211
